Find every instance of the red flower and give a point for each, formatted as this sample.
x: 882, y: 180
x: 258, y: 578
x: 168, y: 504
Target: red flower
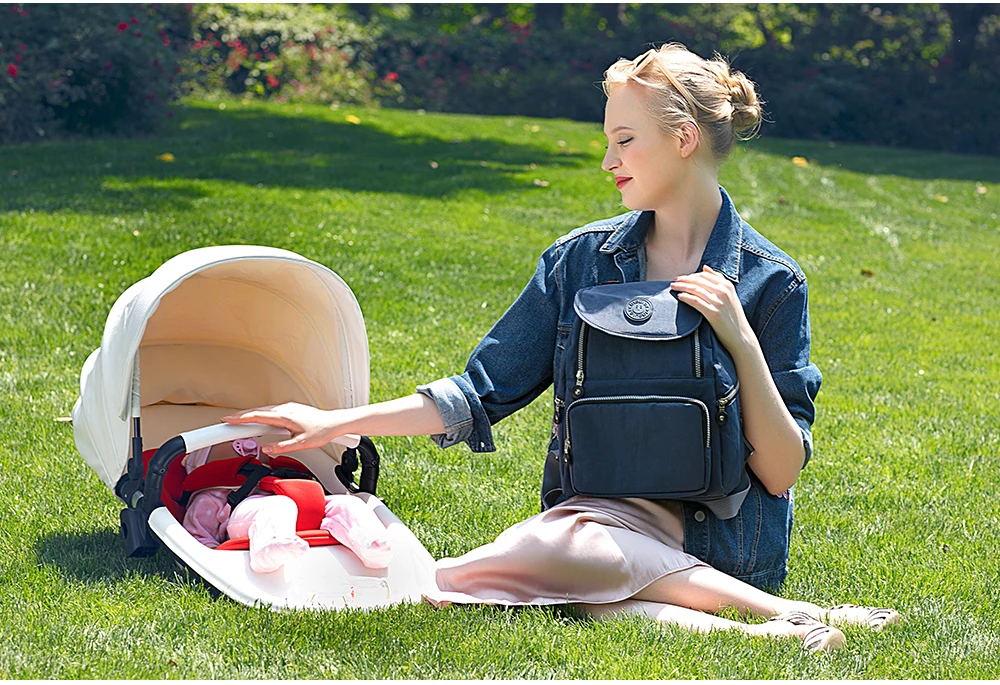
x: 17, y: 58
x: 138, y: 34
x: 121, y: 27
x: 12, y: 70
x: 20, y: 47
x: 391, y: 76
x: 271, y: 81
x: 166, y: 41
x: 134, y: 20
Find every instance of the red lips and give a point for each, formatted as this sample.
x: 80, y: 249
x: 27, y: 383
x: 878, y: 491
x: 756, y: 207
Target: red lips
x: 621, y: 181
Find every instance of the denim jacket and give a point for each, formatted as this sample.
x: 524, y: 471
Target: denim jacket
x: 520, y: 356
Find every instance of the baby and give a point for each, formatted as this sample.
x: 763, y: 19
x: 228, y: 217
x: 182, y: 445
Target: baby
x: 269, y: 520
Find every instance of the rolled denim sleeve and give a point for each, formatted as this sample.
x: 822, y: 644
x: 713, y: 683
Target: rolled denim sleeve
x: 508, y: 369
x: 454, y: 410
x: 785, y: 341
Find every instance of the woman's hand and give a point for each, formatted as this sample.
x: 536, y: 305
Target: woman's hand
x: 714, y: 296
x: 768, y: 425
x: 310, y: 427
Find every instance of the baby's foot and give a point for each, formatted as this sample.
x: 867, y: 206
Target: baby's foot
x: 276, y: 553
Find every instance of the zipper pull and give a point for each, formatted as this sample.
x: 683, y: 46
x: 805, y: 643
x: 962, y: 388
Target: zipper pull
x: 566, y: 451
x: 723, y: 417
x: 557, y: 414
x: 577, y: 391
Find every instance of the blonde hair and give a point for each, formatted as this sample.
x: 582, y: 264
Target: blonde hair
x: 684, y: 87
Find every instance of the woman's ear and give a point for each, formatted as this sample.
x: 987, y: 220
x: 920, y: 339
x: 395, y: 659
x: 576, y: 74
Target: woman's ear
x: 687, y: 139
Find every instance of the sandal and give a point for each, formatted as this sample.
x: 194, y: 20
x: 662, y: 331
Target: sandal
x: 874, y: 618
x: 820, y: 638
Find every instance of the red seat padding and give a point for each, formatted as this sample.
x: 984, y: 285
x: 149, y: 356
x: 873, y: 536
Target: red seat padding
x: 214, y: 474
x: 315, y: 538
x: 307, y: 495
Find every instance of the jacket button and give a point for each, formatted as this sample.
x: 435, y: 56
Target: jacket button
x: 699, y: 516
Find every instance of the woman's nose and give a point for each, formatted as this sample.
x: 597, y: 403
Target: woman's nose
x: 610, y: 160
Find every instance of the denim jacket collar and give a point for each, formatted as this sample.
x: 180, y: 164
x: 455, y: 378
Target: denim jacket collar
x: 722, y: 252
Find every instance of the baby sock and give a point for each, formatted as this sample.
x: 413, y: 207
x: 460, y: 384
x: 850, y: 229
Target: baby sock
x: 269, y: 522
x: 358, y: 528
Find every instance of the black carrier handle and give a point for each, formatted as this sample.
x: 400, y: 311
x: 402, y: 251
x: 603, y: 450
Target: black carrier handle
x: 365, y: 454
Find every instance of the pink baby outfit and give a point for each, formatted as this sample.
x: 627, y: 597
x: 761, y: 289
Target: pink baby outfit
x: 269, y: 521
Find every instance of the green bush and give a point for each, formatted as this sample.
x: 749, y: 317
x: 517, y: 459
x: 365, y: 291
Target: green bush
x: 310, y: 53
x: 506, y: 67
x: 853, y: 73
x: 69, y: 69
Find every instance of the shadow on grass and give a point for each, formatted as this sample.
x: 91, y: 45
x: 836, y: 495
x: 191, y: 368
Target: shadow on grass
x: 100, y: 558
x: 260, y: 150
x: 885, y: 161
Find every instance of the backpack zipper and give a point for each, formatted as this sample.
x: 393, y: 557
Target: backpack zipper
x: 697, y: 354
x: 580, y: 348
x: 726, y: 400
x: 638, y: 398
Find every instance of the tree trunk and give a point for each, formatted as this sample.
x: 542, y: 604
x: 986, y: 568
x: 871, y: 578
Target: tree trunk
x: 965, y: 18
x: 549, y: 15
x: 613, y: 13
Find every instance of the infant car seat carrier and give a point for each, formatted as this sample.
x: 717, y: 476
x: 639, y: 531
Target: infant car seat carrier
x: 213, y: 331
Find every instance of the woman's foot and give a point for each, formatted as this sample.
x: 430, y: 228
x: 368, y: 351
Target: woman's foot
x: 873, y: 618
x: 816, y: 636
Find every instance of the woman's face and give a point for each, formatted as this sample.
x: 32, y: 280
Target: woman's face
x: 646, y: 162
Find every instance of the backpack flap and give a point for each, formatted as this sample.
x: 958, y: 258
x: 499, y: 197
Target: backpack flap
x: 646, y: 309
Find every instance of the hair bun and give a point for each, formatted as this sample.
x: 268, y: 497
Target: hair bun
x: 747, y: 111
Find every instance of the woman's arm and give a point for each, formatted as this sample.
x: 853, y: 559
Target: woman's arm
x: 779, y: 452
x: 509, y: 368
x: 310, y: 427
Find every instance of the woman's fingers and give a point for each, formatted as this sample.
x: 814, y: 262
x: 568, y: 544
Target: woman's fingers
x: 289, y: 445
x: 259, y: 415
x: 697, y: 291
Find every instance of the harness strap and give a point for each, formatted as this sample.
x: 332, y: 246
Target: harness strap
x: 253, y: 473
x: 242, y: 475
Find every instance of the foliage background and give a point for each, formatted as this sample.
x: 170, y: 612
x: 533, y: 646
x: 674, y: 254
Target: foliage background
x: 911, y: 75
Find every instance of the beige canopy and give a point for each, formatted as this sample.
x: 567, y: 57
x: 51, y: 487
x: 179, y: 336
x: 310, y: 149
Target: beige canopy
x: 218, y: 329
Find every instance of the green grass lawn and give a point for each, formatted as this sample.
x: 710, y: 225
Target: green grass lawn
x: 436, y: 222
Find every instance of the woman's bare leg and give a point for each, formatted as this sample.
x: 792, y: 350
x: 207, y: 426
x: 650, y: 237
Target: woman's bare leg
x: 815, y: 636
x: 669, y: 614
x: 704, y: 588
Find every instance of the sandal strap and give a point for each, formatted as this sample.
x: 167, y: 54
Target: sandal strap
x: 875, y: 616
x: 816, y: 639
x: 797, y: 618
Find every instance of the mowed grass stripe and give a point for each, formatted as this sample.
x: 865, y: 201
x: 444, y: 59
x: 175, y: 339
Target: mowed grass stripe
x: 436, y: 222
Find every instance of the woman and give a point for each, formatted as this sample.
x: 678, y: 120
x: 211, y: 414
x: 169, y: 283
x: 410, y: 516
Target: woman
x: 671, y: 119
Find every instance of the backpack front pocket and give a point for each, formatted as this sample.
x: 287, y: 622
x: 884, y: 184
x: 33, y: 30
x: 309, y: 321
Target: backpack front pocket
x: 630, y: 446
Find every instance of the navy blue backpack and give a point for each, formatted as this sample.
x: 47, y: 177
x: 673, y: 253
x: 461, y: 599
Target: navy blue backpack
x: 647, y: 404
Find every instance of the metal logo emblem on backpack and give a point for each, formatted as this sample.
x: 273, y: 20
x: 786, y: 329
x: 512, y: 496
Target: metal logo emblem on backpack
x: 638, y: 310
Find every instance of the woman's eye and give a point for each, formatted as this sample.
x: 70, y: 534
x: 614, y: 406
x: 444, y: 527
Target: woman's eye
x: 622, y: 142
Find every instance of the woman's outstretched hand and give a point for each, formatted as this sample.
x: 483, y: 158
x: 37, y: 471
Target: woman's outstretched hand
x: 310, y: 427
x: 714, y: 296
